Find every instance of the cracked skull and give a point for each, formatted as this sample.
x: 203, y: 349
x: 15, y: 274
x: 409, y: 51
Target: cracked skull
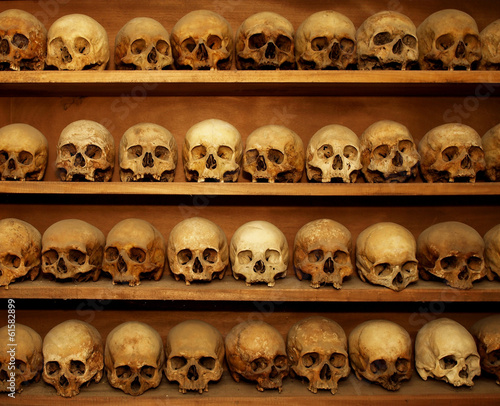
x: 490, y: 46
x: 491, y: 146
x: 486, y: 332
x: 492, y: 252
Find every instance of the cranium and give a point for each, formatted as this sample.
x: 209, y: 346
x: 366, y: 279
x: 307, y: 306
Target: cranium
x: 202, y: 39
x: 449, y: 40
x: 134, y: 250
x: 20, y: 248
x: 134, y: 357
x: 491, y: 147
x: 490, y: 46
x: 143, y: 44
x: 492, y: 252
x: 446, y: 351
x: 265, y: 40
x: 212, y: 151
x: 387, y: 40
x: 85, y: 151
x: 23, y: 152
x: 388, y: 153
x: 333, y: 155
x: 256, y: 351
x: 25, y: 347
x: 147, y: 152
x: 77, y: 42
x: 72, y: 249
x: 451, y: 251
x: 486, y: 332
x: 197, y: 250
x: 259, y: 253
x: 23, y: 41
x: 317, y: 350
x: 274, y: 153
x: 386, y: 256
x: 381, y: 352
x: 322, y: 252
x: 326, y: 40
x: 195, y: 355
x: 73, y: 357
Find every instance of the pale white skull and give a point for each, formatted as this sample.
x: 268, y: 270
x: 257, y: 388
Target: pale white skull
x: 492, y: 252
x: 21, y: 360
x: 72, y: 249
x: 486, y: 332
x: 388, y: 153
x: 134, y: 357
x: 134, y: 250
x: 322, y: 252
x: 274, y: 153
x: 453, y: 252
x: 326, y: 40
x: 446, y: 351
x: 147, y: 152
x: 490, y: 142
x: 259, y: 253
x: 73, y: 356
x: 256, y: 351
x: 20, y: 250
x: 77, y: 42
x: 265, y: 40
x: 317, y: 350
x: 381, y: 352
x: 449, y: 40
x: 85, y: 151
x: 23, y: 41
x: 201, y: 40
x: 333, y: 155
x: 212, y: 151
x: 386, y: 256
x: 23, y: 152
x: 195, y: 355
x: 490, y: 46
x: 387, y: 40
x: 197, y: 250
x: 143, y: 44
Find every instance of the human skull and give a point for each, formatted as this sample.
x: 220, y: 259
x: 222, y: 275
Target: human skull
x: 134, y: 250
x: 490, y: 46
x: 23, y: 41
x: 265, y: 41
x: 333, y: 155
x: 147, y: 152
x: 322, y: 252
x: 317, y: 350
x: 274, y: 153
x: 381, y: 352
x: 446, y: 351
x: 388, y: 153
x: 85, y: 151
x: 72, y: 249
x: 492, y: 252
x: 486, y: 332
x: 387, y: 40
x: 202, y: 40
x: 259, y: 253
x: 134, y: 357
x: 20, y: 249
x: 449, y: 40
x: 256, y: 351
x: 26, y: 348
x: 386, y: 256
x: 451, y: 152
x: 326, y: 40
x: 212, y: 151
x: 491, y: 147
x: 451, y: 251
x: 23, y: 152
x: 197, y: 250
x: 73, y: 356
x: 195, y: 355
x: 143, y: 44
x: 77, y: 42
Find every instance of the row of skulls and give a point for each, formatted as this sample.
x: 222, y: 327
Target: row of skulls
x: 316, y: 349
x: 213, y: 151
x: 386, y: 253
x: 446, y: 40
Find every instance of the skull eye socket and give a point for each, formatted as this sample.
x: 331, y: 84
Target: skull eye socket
x: 50, y: 257
x: 68, y: 150
x: 134, y: 152
x: 189, y: 44
x: 162, y: 47
x: 245, y: 257
x: 410, y: 41
x: 449, y: 263
x: 449, y: 154
x: 340, y: 257
x: 405, y: 145
x: 382, y: 38
x: 20, y: 41
x: 225, y: 152
x: 11, y: 261
x: 474, y: 263
x: 251, y: 155
x: 378, y: 366
x: 471, y: 41
x: 77, y: 257
x: 493, y: 358
x: 381, y: 152
x: 93, y: 151
x: 4, y: 156
x: 77, y: 367
x: 257, y: 41
x: 137, y: 255
x: 199, y: 152
x: 409, y: 266
x: 276, y: 156
x: 210, y: 255
x: 207, y: 362
x: 350, y: 152
x: 325, y: 151
x: 384, y: 269
x: 444, y: 42
x: 52, y: 367
x: 214, y: 42
x: 147, y: 372
x: 272, y: 256
x: 123, y: 372
x: 284, y: 43
x: 25, y: 158
x: 280, y: 361
x: 338, y: 360
x: 319, y: 43
x: 448, y: 362
x: 184, y: 256
x: 347, y: 45
x: 111, y: 254
x: 82, y: 46
x: 402, y: 365
x: 476, y: 153
x: 316, y: 256
x: 310, y: 359
x: 258, y: 364
x: 137, y: 46
x: 162, y: 153
x: 20, y: 365
x: 177, y: 362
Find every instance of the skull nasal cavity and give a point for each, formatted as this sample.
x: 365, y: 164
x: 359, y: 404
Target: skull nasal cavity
x: 398, y: 47
x: 466, y: 163
x: 79, y: 160
x: 259, y: 267
x: 152, y: 56
x: 337, y: 163
x: 61, y: 266
x: 261, y: 163
x: 202, y: 54
x: 211, y: 162
x: 192, y: 374
x: 460, y: 51
x: 329, y: 266
x: 11, y: 165
x: 397, y: 160
x: 147, y: 161
x: 4, y: 47
x: 271, y: 51
x: 197, y: 266
x: 335, y: 52
x: 326, y: 373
